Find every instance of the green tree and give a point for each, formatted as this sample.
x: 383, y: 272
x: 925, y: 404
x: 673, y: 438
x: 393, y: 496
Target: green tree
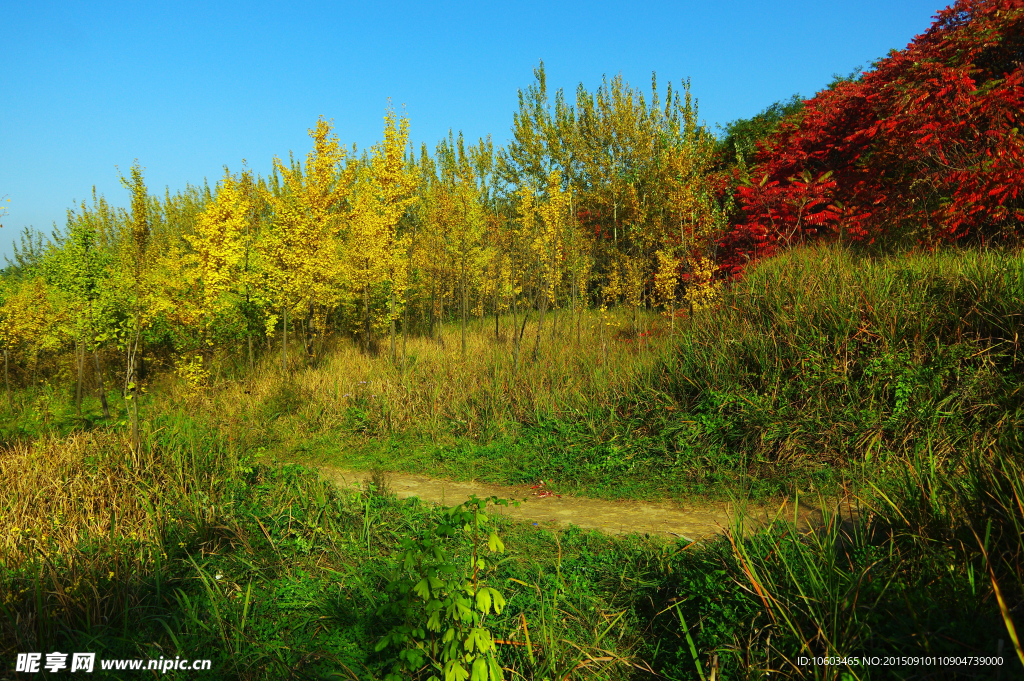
x: 81, y: 270
x: 738, y: 143
x: 135, y: 267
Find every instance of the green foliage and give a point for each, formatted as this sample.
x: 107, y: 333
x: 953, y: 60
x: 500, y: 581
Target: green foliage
x: 274, y: 571
x: 738, y: 143
x: 442, y: 601
x: 819, y: 362
x: 27, y: 257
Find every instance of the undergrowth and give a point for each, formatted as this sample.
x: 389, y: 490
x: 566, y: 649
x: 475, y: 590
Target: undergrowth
x: 895, y: 381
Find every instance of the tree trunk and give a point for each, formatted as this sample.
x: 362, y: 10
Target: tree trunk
x: 405, y: 328
x: 99, y: 382
x: 80, y: 359
x: 440, y: 322
x: 615, y: 222
x: 394, y: 348
x: 578, y: 313
x: 522, y: 329
x: 515, y: 332
x: 497, y: 305
x: 430, y: 314
x: 306, y: 343
x: 540, y: 325
x: 366, y: 319
x: 284, y: 348
x: 464, y: 305
x: 132, y: 390
x: 7, y: 382
x: 140, y: 360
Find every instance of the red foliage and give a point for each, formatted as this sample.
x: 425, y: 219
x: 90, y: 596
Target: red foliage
x: 928, y: 143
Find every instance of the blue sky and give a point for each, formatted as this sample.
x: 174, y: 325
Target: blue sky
x: 187, y: 88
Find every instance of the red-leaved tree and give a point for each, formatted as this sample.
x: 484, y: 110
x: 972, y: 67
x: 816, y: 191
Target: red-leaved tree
x: 927, y: 145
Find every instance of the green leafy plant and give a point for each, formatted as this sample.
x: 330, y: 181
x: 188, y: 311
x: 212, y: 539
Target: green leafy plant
x: 441, y: 602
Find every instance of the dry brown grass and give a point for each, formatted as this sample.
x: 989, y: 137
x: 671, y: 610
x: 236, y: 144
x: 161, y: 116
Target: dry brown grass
x: 57, y: 493
x: 77, y: 512
x: 432, y: 389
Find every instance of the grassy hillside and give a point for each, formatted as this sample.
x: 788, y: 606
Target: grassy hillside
x: 819, y: 364
x: 894, y: 379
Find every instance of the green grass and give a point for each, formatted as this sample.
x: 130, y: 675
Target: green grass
x: 302, y: 568
x: 897, y: 380
x: 822, y: 369
x: 821, y: 365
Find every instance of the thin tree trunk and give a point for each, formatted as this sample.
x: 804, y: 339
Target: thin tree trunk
x: 573, y: 313
x: 497, y: 305
x: 284, y: 348
x: 540, y: 325
x: 405, y: 328
x: 131, y: 392
x: 366, y: 319
x: 7, y: 382
x: 394, y: 349
x: 522, y: 330
x: 433, y: 303
x: 579, y: 323
x: 136, y: 440
x: 248, y: 321
x: 465, y: 303
x: 80, y: 359
x: 515, y: 332
x: 140, y: 360
x: 440, y: 322
x: 99, y: 382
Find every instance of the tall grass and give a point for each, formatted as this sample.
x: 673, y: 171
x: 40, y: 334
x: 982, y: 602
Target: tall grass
x: 895, y: 382
x: 183, y: 549
x: 430, y: 390
x: 819, y: 363
x: 822, y: 358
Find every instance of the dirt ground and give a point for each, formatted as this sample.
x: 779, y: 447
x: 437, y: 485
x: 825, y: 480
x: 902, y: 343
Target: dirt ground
x: 690, y: 522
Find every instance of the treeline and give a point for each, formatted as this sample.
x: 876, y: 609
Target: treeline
x: 610, y: 201
x: 617, y: 198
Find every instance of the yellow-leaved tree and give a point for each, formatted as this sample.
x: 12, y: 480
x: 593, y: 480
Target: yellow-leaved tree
x: 376, y: 262
x: 430, y: 252
x: 219, y: 246
x: 548, y: 247
x: 521, y: 235
x: 666, y: 282
x: 299, y: 251
x: 29, y: 323
x: 698, y: 217
x: 455, y: 225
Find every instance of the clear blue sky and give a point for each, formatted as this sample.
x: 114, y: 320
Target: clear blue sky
x: 187, y: 88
